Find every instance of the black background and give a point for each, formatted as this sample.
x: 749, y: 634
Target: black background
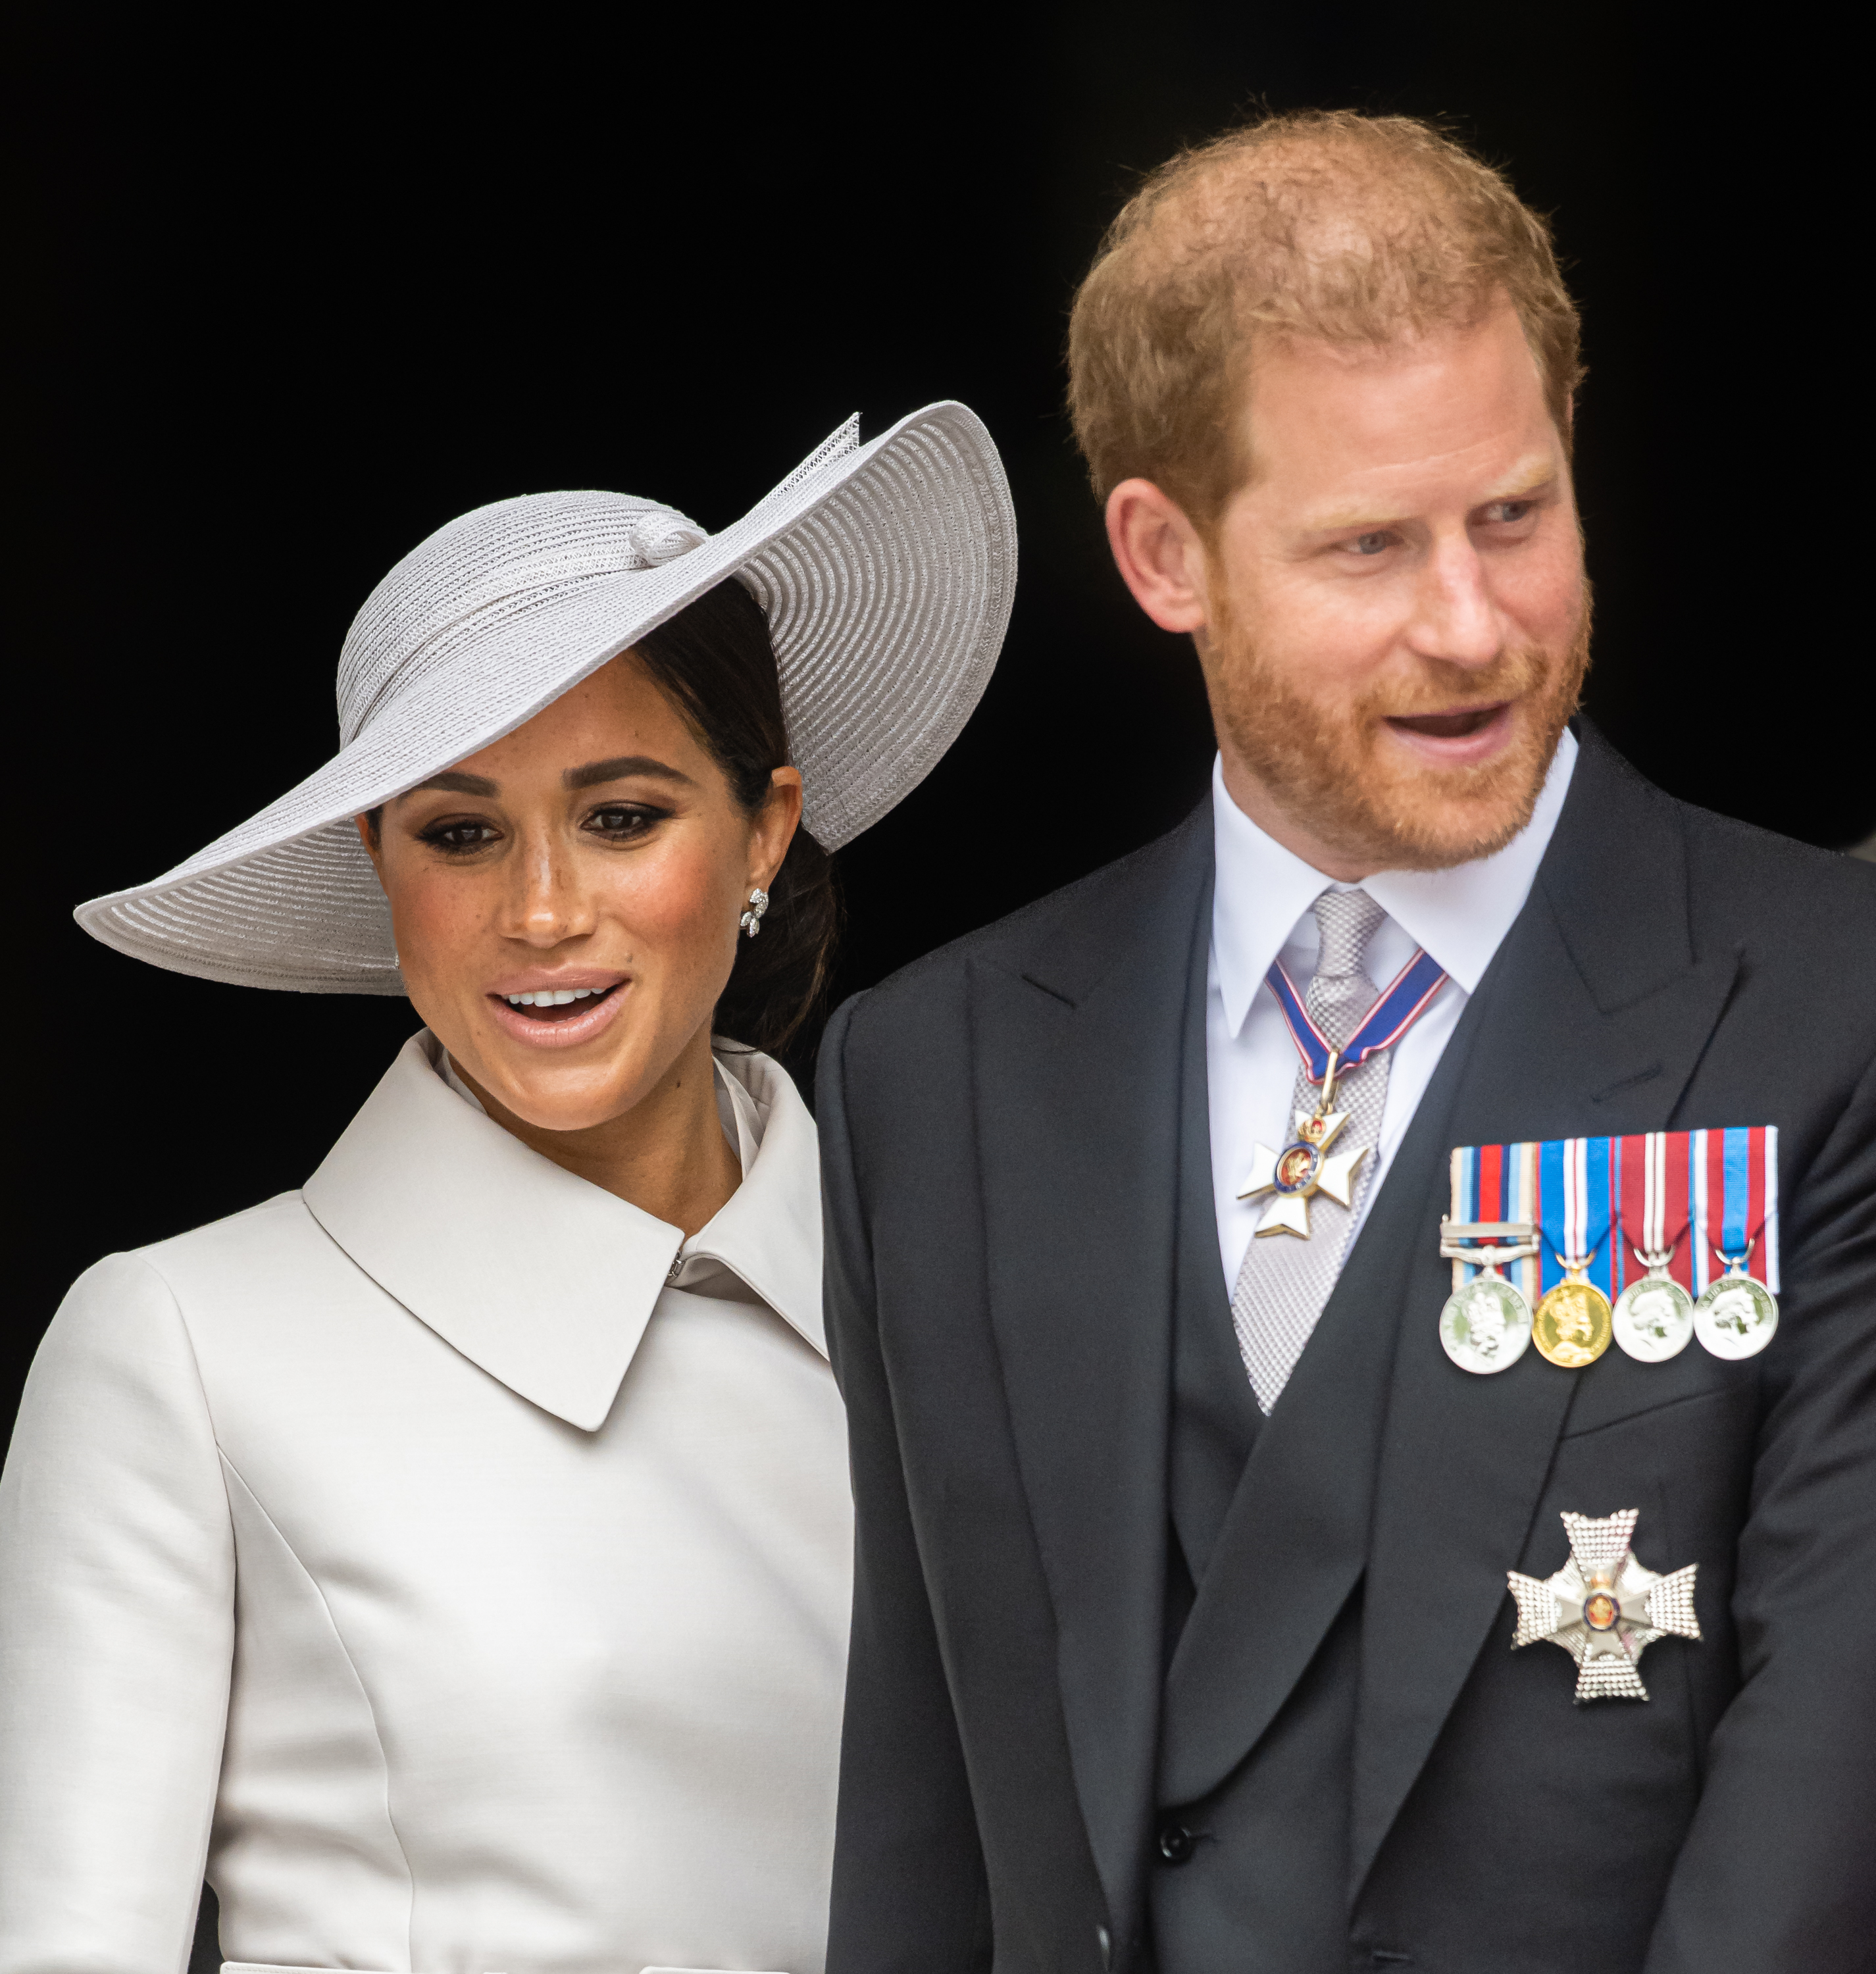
x: 290, y: 298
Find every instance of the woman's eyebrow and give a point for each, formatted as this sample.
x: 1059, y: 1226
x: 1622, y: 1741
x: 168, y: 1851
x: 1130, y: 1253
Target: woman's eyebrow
x: 454, y: 782
x: 617, y: 769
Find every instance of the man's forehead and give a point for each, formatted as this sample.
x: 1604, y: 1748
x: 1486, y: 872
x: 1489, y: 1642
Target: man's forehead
x: 1340, y: 437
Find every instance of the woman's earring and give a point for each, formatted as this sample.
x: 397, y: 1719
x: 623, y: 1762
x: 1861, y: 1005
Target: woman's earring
x: 751, y: 921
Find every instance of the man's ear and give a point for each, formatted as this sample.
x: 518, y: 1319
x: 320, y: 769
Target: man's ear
x: 1160, y: 555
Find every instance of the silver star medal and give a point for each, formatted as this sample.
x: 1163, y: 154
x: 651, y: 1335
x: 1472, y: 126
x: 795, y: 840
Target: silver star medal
x: 1603, y: 1607
x: 1305, y: 1166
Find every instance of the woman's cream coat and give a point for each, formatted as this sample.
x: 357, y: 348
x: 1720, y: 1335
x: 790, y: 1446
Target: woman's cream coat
x: 449, y: 1556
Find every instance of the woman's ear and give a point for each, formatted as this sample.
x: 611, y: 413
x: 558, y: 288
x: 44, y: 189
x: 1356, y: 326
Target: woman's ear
x: 367, y: 826
x: 775, y: 824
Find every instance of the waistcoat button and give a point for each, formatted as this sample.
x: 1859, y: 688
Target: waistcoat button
x: 1176, y: 1843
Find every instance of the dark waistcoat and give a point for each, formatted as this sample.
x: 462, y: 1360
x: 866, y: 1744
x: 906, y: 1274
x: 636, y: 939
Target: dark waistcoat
x: 1264, y: 1857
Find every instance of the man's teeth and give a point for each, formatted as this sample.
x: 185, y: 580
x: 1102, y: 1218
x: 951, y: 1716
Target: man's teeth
x: 551, y: 997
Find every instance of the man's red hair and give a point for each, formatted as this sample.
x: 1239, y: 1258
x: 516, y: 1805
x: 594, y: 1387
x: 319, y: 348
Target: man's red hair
x: 1322, y: 224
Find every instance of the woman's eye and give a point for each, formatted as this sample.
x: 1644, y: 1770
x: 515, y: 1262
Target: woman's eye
x: 459, y: 836
x: 618, y: 821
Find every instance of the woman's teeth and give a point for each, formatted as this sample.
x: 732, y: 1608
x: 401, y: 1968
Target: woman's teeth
x: 551, y: 997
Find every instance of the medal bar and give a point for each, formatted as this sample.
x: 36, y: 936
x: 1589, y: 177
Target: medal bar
x: 1645, y: 1240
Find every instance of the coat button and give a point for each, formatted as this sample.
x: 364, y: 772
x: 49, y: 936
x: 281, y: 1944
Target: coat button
x: 1176, y: 1843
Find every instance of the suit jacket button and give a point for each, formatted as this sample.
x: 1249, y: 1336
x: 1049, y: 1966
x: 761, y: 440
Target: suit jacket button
x: 1176, y: 1843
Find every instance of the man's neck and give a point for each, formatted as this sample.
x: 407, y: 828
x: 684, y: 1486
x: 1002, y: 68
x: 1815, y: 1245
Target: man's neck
x: 1262, y: 807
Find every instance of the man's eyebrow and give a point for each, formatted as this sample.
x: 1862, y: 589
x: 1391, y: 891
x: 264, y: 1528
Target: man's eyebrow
x: 1525, y: 478
x: 1528, y: 477
x: 618, y: 769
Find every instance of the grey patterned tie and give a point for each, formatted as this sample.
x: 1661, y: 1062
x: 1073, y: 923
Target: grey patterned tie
x: 1285, y: 1281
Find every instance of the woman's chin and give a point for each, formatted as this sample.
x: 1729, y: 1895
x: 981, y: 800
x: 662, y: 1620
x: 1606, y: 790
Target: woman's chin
x: 569, y: 1102
x: 556, y: 1091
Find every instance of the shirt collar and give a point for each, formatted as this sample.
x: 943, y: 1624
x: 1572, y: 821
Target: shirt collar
x: 768, y: 1232
x: 543, y: 1280
x: 1460, y: 915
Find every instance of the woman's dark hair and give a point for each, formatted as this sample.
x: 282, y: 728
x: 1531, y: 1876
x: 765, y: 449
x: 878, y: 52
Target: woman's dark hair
x: 714, y: 660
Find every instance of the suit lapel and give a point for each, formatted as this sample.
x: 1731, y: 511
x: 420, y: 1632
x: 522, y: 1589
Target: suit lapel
x: 1077, y: 1062
x: 1590, y: 1020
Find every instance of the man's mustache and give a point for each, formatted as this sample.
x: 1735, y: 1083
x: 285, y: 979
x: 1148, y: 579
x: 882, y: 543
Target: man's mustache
x: 1443, y: 687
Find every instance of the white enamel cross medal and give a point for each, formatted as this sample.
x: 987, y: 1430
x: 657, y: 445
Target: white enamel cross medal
x: 1304, y: 1167
x: 1603, y: 1607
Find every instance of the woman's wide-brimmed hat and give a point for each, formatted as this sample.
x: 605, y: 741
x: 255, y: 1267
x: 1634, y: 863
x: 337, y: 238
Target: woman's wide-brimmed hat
x: 887, y: 572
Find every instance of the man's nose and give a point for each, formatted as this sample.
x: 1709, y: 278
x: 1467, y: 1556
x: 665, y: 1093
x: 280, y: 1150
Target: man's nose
x: 1454, y: 617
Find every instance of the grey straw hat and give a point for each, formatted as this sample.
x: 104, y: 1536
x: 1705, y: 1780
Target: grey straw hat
x: 887, y: 571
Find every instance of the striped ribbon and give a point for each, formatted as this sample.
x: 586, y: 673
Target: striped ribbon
x: 1691, y: 1190
x: 1399, y: 1007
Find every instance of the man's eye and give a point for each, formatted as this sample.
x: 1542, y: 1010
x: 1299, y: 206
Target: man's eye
x: 1503, y: 511
x: 459, y: 836
x: 1371, y: 544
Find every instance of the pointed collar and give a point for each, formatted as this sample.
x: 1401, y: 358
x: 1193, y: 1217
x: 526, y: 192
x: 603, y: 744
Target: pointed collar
x: 1460, y: 915
x: 768, y: 1232
x: 543, y: 1280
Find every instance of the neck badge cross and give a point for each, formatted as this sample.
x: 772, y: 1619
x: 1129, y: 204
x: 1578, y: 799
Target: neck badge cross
x: 1305, y: 1166
x: 1603, y: 1607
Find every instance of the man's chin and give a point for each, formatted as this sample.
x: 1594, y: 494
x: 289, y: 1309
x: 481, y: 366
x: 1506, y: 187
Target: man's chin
x: 1433, y: 815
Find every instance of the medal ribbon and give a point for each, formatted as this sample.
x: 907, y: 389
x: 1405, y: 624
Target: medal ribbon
x: 1651, y: 1183
x: 1496, y: 1183
x: 1693, y: 1190
x: 1733, y: 1180
x: 1399, y: 1007
x: 1576, y: 1205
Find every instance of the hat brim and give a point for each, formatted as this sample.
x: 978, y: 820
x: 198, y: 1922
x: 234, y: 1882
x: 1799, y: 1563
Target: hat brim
x: 887, y: 572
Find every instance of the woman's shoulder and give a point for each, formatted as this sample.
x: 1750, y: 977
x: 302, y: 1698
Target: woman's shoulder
x: 263, y: 1247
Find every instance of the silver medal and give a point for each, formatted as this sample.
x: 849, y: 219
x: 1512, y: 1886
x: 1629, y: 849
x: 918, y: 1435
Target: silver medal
x: 1736, y: 1315
x: 1654, y: 1314
x: 1485, y: 1325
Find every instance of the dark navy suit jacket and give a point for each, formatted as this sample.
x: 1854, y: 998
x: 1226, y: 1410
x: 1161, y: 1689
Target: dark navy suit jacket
x: 1021, y: 1248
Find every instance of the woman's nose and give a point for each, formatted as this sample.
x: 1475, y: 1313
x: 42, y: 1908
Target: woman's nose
x: 547, y: 904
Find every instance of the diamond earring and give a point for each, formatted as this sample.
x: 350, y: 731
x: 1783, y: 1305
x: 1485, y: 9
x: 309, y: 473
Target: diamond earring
x: 751, y: 920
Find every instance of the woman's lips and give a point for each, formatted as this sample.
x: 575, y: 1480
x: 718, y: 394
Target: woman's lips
x: 1461, y: 738
x: 564, y: 1026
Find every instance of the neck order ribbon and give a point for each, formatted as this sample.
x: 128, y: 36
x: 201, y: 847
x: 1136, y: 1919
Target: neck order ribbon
x: 1403, y: 1003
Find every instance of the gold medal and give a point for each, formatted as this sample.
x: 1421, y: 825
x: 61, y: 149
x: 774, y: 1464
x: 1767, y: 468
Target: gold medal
x: 1574, y: 1322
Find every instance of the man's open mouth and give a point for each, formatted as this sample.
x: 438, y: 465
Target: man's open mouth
x: 1450, y: 726
x: 558, y: 1003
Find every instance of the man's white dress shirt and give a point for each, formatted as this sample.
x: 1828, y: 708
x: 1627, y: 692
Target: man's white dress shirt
x: 1260, y: 911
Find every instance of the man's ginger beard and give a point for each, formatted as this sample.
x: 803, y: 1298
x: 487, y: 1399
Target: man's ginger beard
x: 1321, y: 763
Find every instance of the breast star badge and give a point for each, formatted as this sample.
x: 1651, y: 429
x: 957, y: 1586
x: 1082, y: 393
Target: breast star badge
x: 1603, y: 1607
x: 1303, y: 1167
